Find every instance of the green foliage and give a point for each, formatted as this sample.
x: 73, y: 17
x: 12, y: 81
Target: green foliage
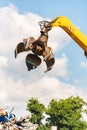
x: 66, y: 114
x: 36, y: 109
x: 43, y: 127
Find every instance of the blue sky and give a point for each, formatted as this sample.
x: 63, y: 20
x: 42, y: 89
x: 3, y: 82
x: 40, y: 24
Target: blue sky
x: 19, y: 19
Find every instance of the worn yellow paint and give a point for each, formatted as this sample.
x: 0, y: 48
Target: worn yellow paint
x: 71, y: 30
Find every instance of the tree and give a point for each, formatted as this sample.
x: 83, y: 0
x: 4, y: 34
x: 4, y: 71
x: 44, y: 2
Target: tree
x: 36, y: 109
x: 67, y: 114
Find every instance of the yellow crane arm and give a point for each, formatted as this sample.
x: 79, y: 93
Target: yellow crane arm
x: 71, y: 30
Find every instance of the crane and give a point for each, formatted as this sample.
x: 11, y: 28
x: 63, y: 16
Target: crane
x: 71, y: 30
x: 39, y: 46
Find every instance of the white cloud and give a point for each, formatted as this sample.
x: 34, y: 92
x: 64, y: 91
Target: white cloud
x: 58, y: 38
x: 3, y: 61
x: 46, y: 88
x: 17, y: 85
x: 83, y: 64
x: 60, y: 67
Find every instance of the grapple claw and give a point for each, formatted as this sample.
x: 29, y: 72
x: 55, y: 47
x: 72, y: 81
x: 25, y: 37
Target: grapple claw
x: 19, y: 48
x: 49, y: 64
x: 32, y: 61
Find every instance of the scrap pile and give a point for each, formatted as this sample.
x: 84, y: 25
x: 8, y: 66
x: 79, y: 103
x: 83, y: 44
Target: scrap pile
x: 8, y: 121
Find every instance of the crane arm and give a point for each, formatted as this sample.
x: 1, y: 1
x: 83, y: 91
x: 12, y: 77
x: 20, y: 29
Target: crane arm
x: 72, y: 31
